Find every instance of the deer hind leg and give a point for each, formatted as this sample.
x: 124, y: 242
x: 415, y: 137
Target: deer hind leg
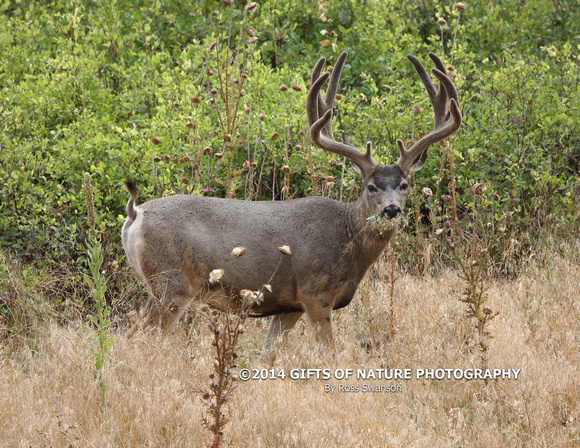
x: 280, y: 325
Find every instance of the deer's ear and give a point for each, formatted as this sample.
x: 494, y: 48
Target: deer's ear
x: 420, y: 162
x: 357, y: 169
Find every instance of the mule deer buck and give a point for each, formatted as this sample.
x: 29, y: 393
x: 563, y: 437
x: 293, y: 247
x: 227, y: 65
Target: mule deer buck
x: 175, y: 243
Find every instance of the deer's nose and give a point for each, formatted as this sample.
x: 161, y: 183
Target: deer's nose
x: 392, y: 211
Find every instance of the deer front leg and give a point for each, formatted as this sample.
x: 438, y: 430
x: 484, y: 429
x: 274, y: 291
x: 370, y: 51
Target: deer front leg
x: 280, y: 325
x: 163, y: 314
x: 319, y: 314
x: 166, y: 305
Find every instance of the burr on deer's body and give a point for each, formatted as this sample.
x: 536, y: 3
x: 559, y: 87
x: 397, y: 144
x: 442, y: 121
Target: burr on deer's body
x: 174, y: 243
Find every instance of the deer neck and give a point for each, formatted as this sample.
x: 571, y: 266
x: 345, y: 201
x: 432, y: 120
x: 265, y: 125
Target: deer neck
x: 367, y: 238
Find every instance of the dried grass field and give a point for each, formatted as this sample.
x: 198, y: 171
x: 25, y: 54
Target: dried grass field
x: 48, y: 393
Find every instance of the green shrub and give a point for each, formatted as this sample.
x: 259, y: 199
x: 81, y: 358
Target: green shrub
x: 106, y: 87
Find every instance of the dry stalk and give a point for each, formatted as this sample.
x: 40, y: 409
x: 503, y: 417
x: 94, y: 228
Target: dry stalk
x: 226, y: 329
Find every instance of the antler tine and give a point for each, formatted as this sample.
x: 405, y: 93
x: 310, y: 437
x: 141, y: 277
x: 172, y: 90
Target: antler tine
x: 328, y: 102
x: 314, y: 77
x: 445, y: 104
x: 319, y: 114
x: 313, y: 99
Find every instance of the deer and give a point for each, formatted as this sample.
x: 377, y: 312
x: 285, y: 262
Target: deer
x: 183, y: 246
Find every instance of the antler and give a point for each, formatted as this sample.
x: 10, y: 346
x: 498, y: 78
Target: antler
x: 447, y: 120
x: 319, y: 113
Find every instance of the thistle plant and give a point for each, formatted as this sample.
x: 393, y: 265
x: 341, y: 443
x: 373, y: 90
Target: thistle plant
x: 227, y: 81
x: 226, y: 329
x: 393, y: 277
x: 442, y: 23
x: 473, y: 269
x: 460, y: 7
x: 98, y: 285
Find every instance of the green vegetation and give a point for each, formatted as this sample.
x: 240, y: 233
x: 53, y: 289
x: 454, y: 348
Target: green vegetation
x: 97, y: 282
x: 184, y: 97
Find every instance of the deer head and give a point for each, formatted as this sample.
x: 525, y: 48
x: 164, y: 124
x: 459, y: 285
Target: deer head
x: 385, y: 186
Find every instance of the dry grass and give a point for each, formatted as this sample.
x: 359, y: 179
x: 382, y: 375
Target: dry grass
x: 48, y: 397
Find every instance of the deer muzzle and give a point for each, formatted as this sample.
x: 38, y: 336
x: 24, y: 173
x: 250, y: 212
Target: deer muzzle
x: 392, y: 211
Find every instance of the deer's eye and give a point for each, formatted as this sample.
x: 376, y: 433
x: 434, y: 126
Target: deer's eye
x: 404, y: 187
x: 372, y: 189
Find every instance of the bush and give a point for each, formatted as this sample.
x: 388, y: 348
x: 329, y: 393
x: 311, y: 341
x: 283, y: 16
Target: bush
x: 107, y: 87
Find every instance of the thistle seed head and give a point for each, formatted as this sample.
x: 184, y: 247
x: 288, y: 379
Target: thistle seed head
x: 285, y: 250
x: 216, y: 276
x: 204, y: 308
x: 479, y: 189
x: 238, y: 251
x: 251, y: 6
x: 251, y: 297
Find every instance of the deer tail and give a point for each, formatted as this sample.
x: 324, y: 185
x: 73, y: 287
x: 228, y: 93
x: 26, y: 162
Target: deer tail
x: 131, y: 188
